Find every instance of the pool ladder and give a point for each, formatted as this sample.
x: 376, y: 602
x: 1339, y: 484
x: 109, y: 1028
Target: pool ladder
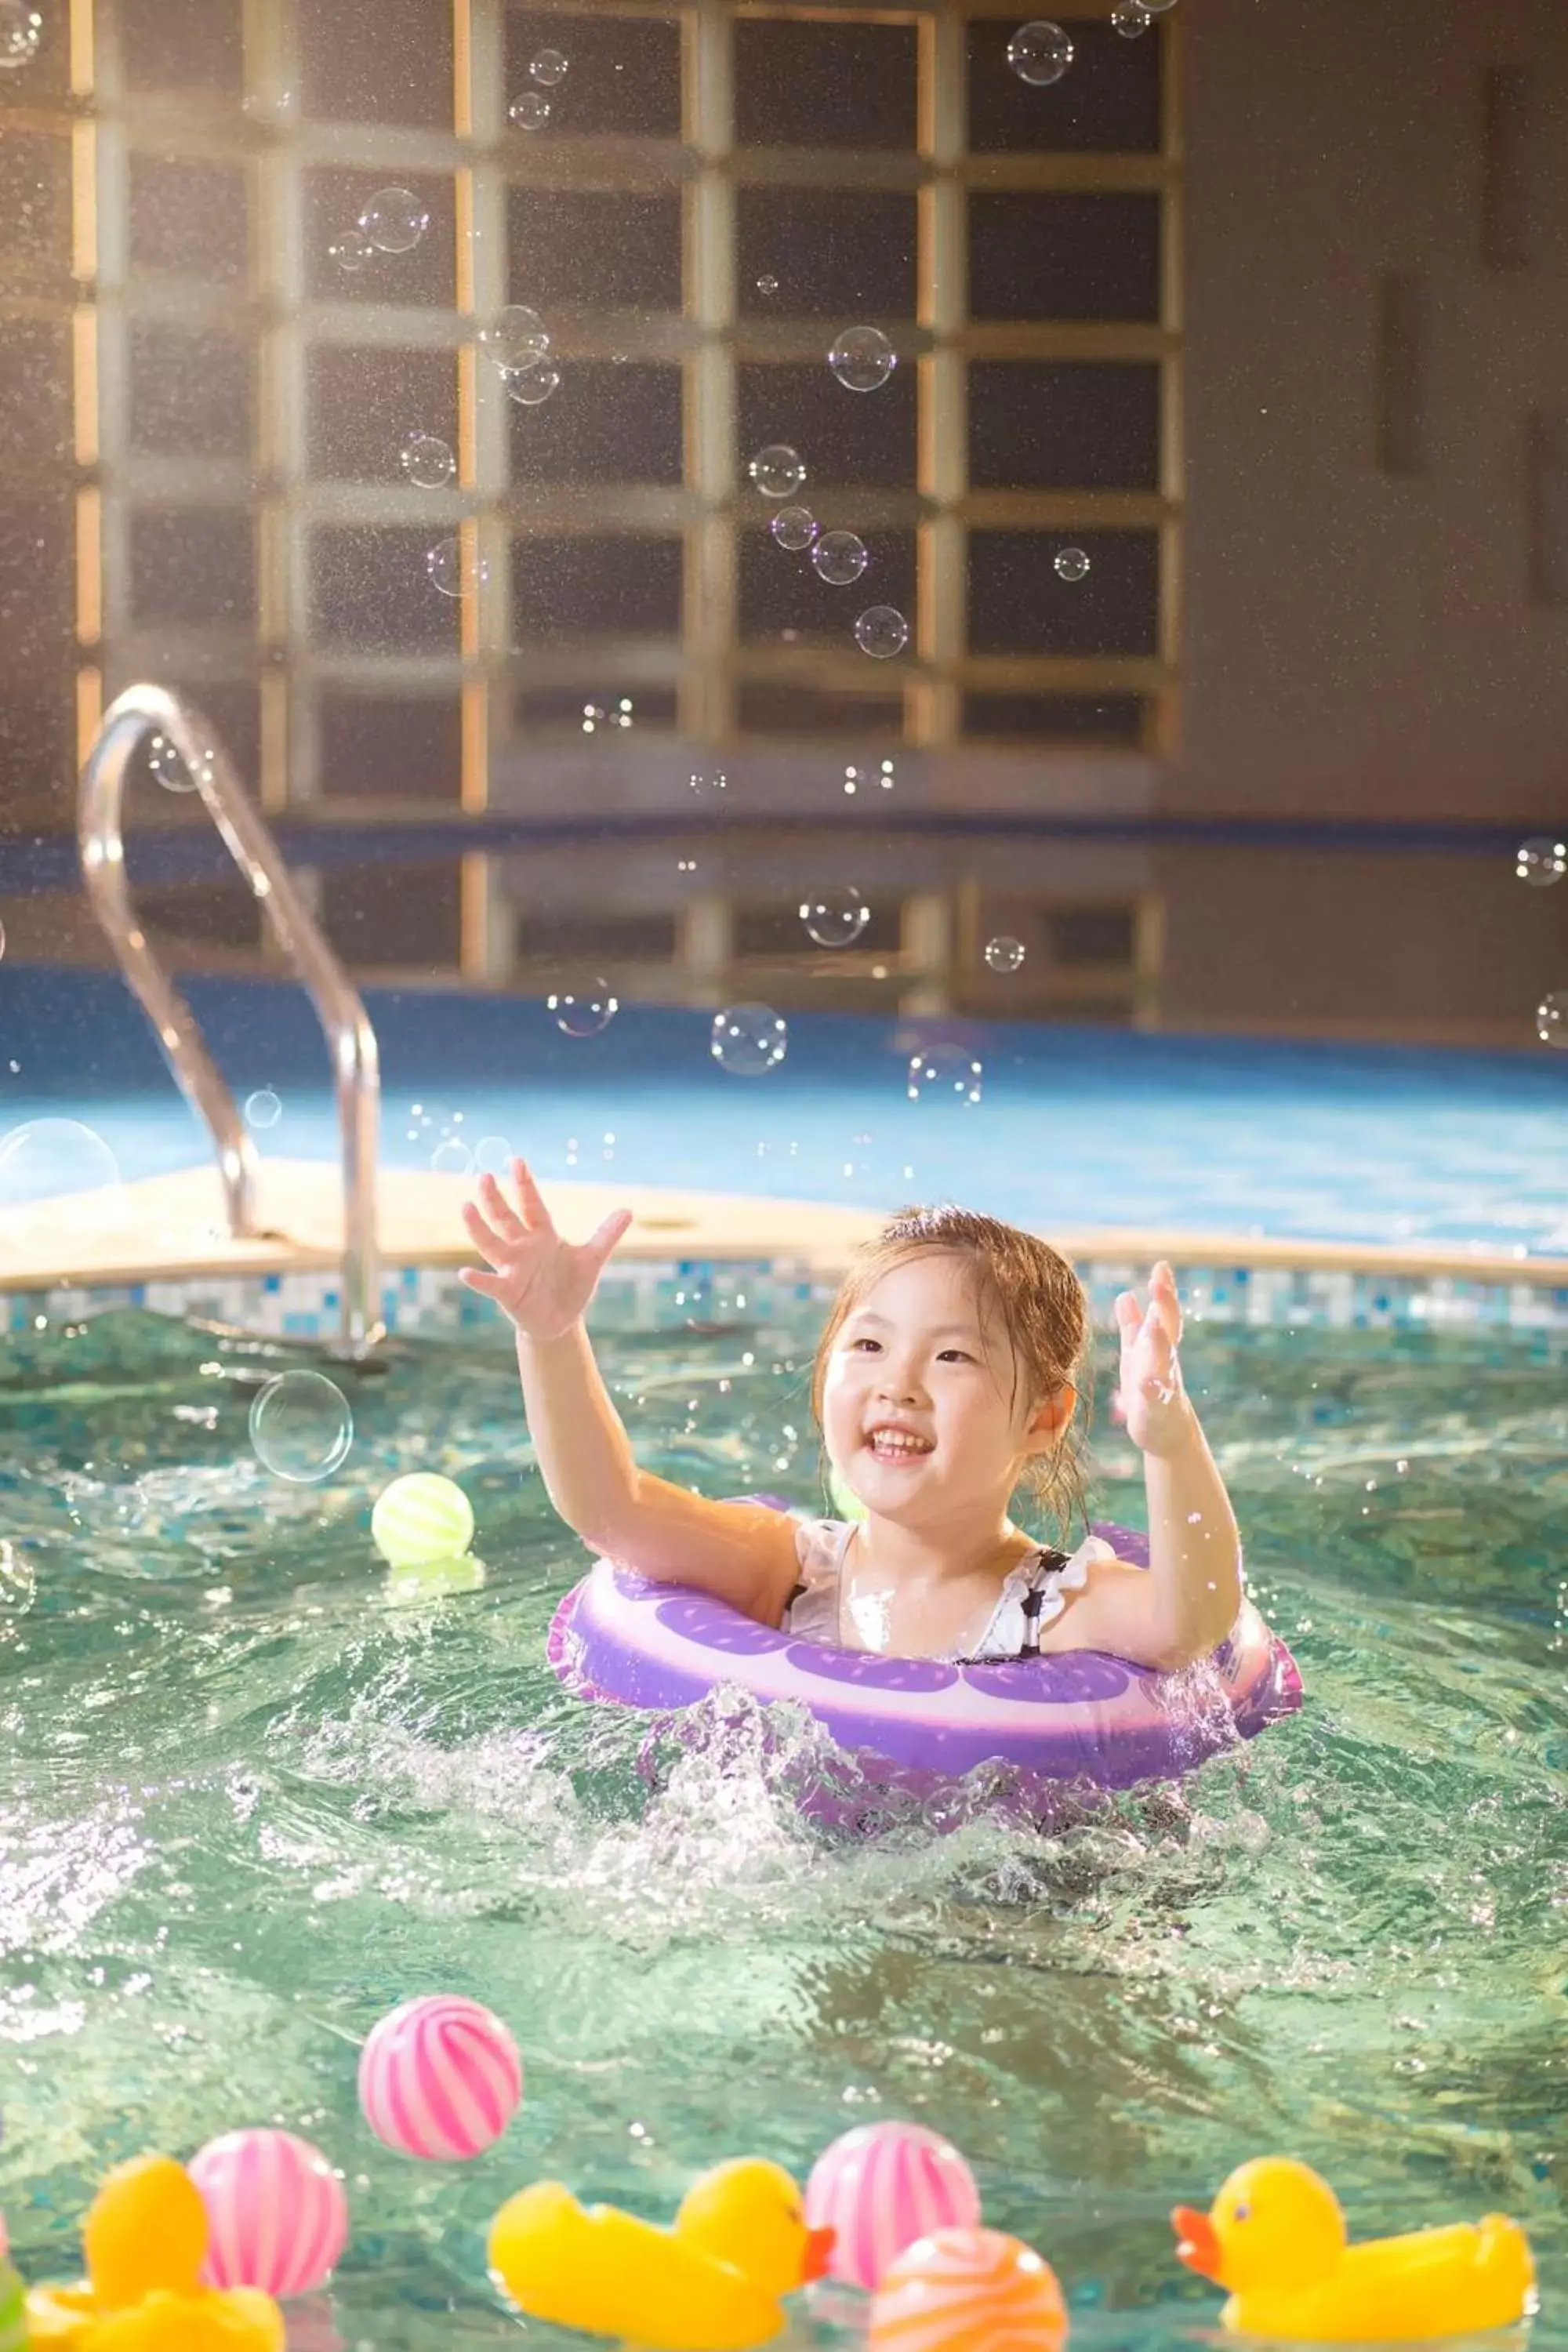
x: 149, y: 710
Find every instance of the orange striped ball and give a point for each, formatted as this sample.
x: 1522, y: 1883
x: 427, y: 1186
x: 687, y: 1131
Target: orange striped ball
x: 969, y: 2291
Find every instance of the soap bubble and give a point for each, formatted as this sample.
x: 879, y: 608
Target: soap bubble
x: 1071, y: 563
x: 778, y: 470
x: 839, y: 558
x: 394, y: 220
x: 862, y: 358
x: 945, y: 1074
x: 584, y: 1010
x: 549, y: 66
x: 1005, y: 953
x: 1551, y: 1020
x: 795, y: 528
x: 452, y: 1156
x: 1131, y: 17
x: 710, y: 781
x: 350, y: 250
x: 1040, y: 52
x: 1540, y: 861
x: 514, y: 338
x: 493, y: 1155
x: 532, y: 386
x: 263, y: 1108
x: 881, y: 631
x: 767, y: 285
x: 836, y: 917
x: 1156, y: 7
x: 300, y: 1427
x: 450, y: 573
x: 531, y: 111
x: 21, y: 30
x: 168, y: 767
x: 59, y: 1184
x: 428, y: 462
x: 748, y: 1040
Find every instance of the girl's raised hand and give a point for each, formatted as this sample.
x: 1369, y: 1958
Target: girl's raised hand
x: 543, y: 1283
x: 1154, y: 1401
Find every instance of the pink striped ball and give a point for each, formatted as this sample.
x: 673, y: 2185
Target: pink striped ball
x: 277, y: 2215
x: 968, y: 2291
x: 880, y: 2186
x: 439, y: 2077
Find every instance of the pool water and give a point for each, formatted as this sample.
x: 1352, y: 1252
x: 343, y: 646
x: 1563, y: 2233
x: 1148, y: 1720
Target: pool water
x: 1073, y: 1128
x: 251, y: 1798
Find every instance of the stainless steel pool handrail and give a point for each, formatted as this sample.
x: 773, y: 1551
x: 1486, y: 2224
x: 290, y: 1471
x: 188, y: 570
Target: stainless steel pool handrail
x: 144, y: 710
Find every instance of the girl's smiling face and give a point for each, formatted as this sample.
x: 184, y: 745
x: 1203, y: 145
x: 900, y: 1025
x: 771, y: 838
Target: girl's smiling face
x: 923, y: 1410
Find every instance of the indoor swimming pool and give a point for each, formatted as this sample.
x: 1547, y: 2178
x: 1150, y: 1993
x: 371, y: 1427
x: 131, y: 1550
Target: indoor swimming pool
x: 254, y: 1796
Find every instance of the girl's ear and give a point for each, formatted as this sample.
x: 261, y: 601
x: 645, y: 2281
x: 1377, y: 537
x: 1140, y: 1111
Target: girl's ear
x: 1048, y: 1421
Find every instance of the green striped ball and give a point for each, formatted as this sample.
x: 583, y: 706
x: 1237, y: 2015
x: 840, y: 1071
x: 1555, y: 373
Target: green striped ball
x: 420, y: 1517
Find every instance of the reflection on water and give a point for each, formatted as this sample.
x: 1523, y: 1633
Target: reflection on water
x: 252, y: 1797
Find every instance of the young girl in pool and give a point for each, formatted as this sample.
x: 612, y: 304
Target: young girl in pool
x: 947, y: 1376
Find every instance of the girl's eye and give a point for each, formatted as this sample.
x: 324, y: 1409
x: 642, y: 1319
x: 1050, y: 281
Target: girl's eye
x: 856, y: 1344
x: 954, y: 1356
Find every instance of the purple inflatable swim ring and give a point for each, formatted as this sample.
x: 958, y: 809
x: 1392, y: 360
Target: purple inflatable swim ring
x: 1076, y: 1716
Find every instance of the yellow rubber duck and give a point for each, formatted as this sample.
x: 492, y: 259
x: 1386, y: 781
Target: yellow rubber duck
x: 1275, y: 2237
x: 712, y: 2282
x: 145, y: 2239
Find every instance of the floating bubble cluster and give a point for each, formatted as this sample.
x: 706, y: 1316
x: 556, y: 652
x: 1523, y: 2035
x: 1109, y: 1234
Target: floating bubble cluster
x: 748, y: 1040
x: 619, y: 714
x: 1072, y: 564
x: 862, y: 358
x: 428, y: 462
x: 21, y: 30
x: 835, y: 916
x: 532, y: 386
x: 839, y: 557
x: 1005, y: 953
x: 778, y: 472
x: 881, y: 631
x: 583, y: 1009
x: 451, y: 573
x: 514, y: 338
x: 945, y: 1074
x: 168, y: 767
x: 1040, y: 53
x: 795, y: 528
x: 263, y: 1108
x: 300, y: 1427
x: 350, y: 250
x: 395, y: 219
x: 1540, y: 861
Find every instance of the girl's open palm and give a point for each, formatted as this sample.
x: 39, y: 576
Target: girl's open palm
x: 543, y: 1283
x: 1154, y: 1401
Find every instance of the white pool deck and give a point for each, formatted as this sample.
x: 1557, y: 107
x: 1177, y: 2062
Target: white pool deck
x: 168, y: 1228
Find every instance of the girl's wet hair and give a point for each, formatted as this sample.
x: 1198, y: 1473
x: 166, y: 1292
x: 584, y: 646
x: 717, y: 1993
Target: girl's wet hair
x: 1031, y: 1290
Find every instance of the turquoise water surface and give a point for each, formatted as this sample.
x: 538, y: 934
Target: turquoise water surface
x: 251, y: 1800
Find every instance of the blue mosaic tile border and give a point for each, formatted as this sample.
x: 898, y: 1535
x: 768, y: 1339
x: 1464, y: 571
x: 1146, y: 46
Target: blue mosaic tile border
x: 648, y: 1296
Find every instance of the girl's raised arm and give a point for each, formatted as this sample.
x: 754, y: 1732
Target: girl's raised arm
x: 742, y: 1551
